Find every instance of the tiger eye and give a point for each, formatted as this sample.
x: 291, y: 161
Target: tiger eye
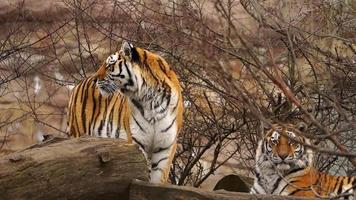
x: 110, y: 68
x: 274, y: 142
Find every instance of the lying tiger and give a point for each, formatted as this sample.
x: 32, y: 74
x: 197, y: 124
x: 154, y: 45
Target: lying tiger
x: 136, y: 96
x: 284, y: 167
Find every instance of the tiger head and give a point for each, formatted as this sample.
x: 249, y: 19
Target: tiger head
x: 282, y: 149
x: 120, y: 71
x: 133, y: 69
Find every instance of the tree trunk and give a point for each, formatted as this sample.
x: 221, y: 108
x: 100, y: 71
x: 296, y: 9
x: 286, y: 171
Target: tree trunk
x: 83, y: 168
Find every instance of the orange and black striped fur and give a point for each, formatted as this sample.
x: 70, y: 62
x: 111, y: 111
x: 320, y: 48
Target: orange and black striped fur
x: 135, y: 95
x: 284, y: 167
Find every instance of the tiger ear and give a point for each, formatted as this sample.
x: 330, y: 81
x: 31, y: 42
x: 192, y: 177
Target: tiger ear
x: 302, y: 126
x: 266, y: 126
x: 126, y: 49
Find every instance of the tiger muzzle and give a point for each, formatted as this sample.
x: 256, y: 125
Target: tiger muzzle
x: 101, y: 73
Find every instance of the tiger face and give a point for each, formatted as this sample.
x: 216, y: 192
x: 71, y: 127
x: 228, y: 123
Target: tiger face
x: 284, y: 167
x: 120, y: 72
x: 282, y: 148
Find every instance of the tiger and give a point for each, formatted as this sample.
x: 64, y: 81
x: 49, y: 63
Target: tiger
x: 134, y: 95
x: 284, y: 166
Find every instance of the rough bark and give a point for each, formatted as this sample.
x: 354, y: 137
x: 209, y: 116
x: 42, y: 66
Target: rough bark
x: 84, y: 168
x: 140, y: 190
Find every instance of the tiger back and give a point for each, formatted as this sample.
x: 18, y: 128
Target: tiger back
x: 134, y: 95
x: 91, y: 113
x: 284, y: 166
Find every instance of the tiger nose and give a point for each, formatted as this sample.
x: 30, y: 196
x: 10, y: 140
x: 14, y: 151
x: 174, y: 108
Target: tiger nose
x: 101, y: 73
x: 283, y: 156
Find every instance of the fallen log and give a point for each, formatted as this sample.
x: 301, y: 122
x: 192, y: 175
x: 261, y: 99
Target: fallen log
x: 140, y: 190
x: 93, y: 168
x: 83, y: 168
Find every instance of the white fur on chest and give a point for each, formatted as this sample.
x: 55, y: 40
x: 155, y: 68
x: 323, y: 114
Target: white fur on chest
x: 268, y: 176
x: 157, y: 133
x: 268, y: 182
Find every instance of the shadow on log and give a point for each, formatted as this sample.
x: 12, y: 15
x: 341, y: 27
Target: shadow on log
x: 140, y: 190
x: 234, y: 183
x: 83, y: 168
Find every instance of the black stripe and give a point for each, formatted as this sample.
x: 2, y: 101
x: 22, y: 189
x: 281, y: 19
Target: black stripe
x: 157, y: 168
x: 170, y: 125
x: 339, y: 191
x: 163, y: 148
x: 139, y: 143
x: 275, y: 185
x: 264, y: 149
x: 162, y: 66
x: 138, y: 106
x: 135, y: 57
x: 130, y: 81
x: 138, y: 124
x: 135, y: 82
x: 123, y: 90
x: 104, y: 116
x: 175, y: 106
x: 146, y: 65
x: 144, y: 57
x: 155, y: 104
x: 100, y: 127
x: 109, y: 76
x: 99, y: 111
x: 120, y: 66
x: 107, y: 118
x: 166, y: 96
x: 353, y: 181
x: 258, y: 176
x: 121, y: 107
x: 127, y: 69
x: 75, y: 106
x: 296, y: 170
x: 295, y: 191
x: 152, y: 120
x: 85, y: 105
x: 120, y: 71
x: 110, y: 124
x: 287, y: 185
x: 347, y: 179
x: 154, y: 165
x: 92, y: 95
x: 111, y: 116
x: 84, y: 85
x: 73, y: 103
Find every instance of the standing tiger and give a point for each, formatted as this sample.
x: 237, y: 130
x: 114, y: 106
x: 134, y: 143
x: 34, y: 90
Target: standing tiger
x: 134, y: 95
x: 284, y: 167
